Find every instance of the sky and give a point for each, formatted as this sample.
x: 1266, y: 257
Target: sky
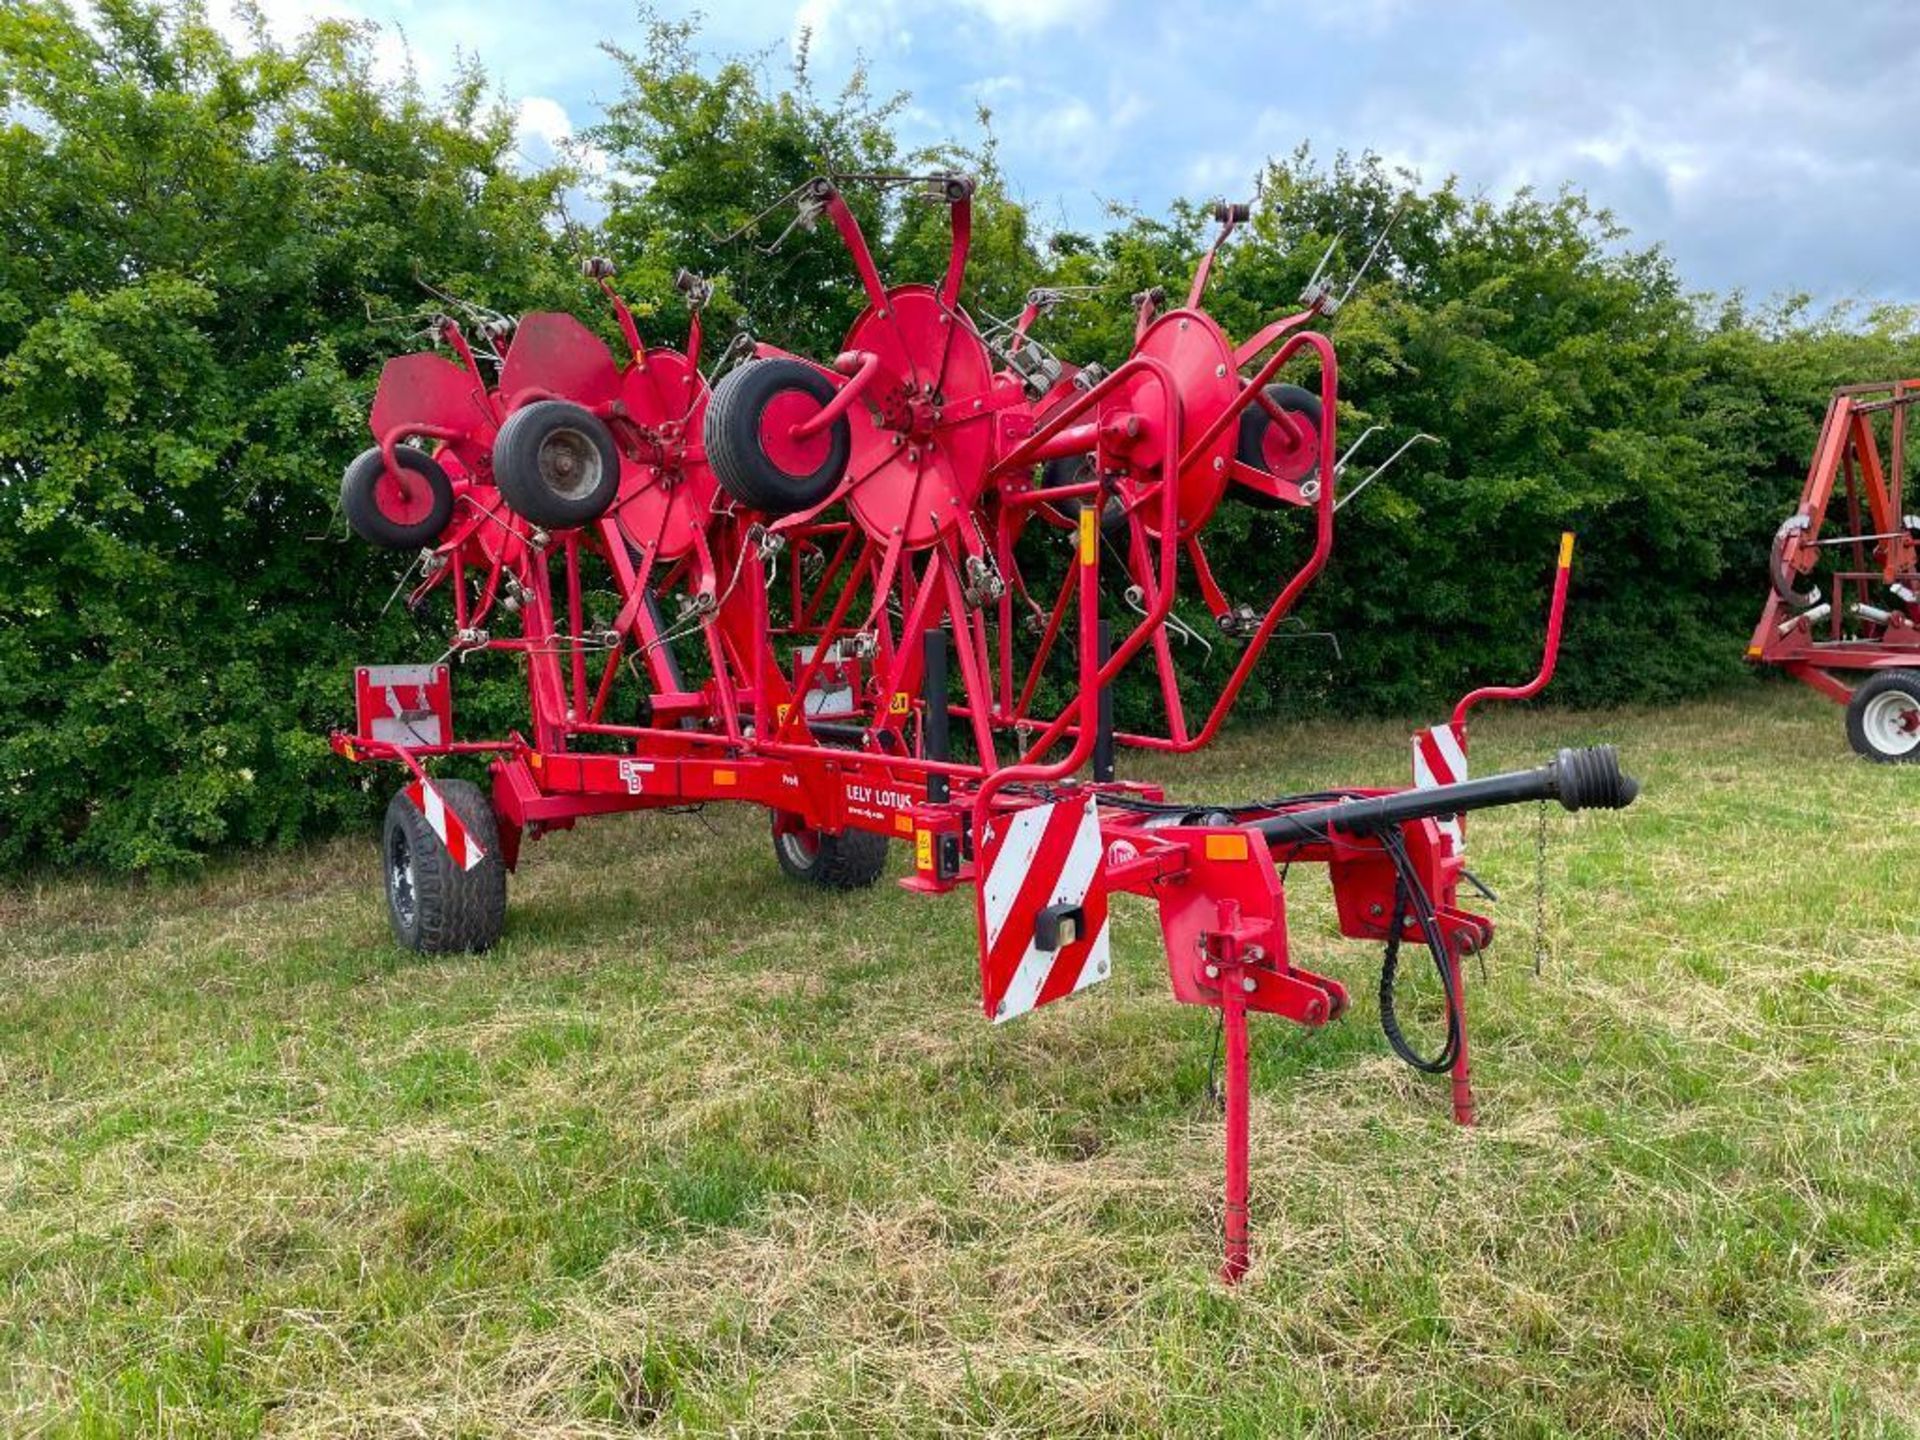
x: 1770, y: 146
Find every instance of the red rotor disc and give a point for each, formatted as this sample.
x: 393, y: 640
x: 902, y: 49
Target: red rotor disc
x: 665, y: 497
x: 1193, y: 347
x: 922, y: 434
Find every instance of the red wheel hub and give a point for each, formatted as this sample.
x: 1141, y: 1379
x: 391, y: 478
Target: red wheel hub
x: 1285, y: 457
x: 793, y: 454
x: 402, y: 496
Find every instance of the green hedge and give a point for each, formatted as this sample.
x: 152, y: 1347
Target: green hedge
x: 207, y: 254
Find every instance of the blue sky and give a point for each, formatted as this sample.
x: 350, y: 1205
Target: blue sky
x: 1768, y: 145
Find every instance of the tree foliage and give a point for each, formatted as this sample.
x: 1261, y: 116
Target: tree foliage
x: 206, y: 256
x: 209, y: 249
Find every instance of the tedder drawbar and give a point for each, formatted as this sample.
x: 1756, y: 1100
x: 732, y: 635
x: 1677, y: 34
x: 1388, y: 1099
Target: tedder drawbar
x: 878, y: 597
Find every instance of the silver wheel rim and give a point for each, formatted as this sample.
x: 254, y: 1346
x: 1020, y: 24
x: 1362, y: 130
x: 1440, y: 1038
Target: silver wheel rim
x: 570, y: 464
x: 800, y: 848
x: 1891, y: 723
x: 400, y: 888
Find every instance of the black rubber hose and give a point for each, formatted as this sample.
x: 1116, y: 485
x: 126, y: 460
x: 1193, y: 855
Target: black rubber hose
x: 1409, y: 893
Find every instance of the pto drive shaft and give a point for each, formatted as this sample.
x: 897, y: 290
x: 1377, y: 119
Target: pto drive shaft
x: 1584, y: 779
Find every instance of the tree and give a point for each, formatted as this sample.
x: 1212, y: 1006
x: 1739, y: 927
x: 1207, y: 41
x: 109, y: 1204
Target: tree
x: 207, y: 254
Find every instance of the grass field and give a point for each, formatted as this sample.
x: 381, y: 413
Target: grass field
x: 698, y: 1151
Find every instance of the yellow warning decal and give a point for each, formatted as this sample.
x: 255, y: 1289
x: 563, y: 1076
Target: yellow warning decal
x: 1089, y: 532
x: 1226, y: 847
x: 1566, y: 550
x: 899, y: 703
x: 780, y: 713
x: 923, y: 850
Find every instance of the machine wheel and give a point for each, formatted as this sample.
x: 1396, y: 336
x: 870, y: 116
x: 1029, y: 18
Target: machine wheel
x: 851, y: 860
x: 750, y: 444
x: 435, y: 906
x: 1265, y: 447
x: 1077, y: 470
x: 556, y: 464
x: 396, y: 512
x: 1883, y: 718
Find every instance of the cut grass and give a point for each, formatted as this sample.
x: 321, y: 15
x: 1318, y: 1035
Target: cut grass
x: 695, y: 1149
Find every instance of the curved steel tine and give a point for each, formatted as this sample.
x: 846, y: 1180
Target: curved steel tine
x: 1385, y: 465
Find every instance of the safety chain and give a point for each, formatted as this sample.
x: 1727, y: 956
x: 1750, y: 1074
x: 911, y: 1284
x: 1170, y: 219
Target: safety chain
x: 1540, y: 890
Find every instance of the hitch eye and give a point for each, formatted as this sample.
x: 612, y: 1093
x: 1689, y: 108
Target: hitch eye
x: 1058, y: 926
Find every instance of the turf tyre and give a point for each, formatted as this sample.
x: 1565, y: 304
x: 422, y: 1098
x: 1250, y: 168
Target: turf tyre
x: 851, y: 860
x: 747, y: 405
x: 434, y: 906
x: 556, y: 464
x: 1251, y: 447
x: 360, y: 488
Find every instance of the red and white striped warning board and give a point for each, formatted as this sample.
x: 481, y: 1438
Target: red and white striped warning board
x: 1440, y: 758
x: 465, y: 850
x: 1042, y: 907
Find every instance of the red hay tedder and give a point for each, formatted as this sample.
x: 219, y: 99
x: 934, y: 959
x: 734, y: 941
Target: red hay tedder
x: 852, y: 558
x: 1867, y: 619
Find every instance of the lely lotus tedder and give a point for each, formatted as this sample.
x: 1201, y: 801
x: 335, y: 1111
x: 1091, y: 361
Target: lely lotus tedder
x: 886, y: 598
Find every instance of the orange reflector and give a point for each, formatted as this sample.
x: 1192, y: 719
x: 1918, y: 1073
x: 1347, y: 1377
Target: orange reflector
x: 903, y: 823
x: 724, y: 777
x: 1227, y: 847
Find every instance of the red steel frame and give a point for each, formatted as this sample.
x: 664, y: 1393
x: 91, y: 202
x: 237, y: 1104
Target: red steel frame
x: 1866, y: 624
x: 1159, y: 431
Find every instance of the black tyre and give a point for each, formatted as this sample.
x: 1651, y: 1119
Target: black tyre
x: 851, y: 860
x: 749, y: 441
x: 1262, y: 444
x: 556, y: 464
x: 435, y: 906
x: 1883, y: 718
x: 1078, y: 470
x: 396, y: 512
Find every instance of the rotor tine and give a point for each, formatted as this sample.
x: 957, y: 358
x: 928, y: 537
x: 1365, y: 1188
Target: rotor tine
x: 1326, y: 259
x: 1384, y: 466
x: 754, y: 223
x: 1341, y: 464
x: 1367, y: 263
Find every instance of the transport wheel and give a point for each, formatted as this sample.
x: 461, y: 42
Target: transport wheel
x: 1078, y: 470
x: 1883, y: 718
x: 556, y: 464
x: 750, y: 444
x: 435, y: 906
x: 402, y: 511
x: 1265, y: 446
x: 851, y: 860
